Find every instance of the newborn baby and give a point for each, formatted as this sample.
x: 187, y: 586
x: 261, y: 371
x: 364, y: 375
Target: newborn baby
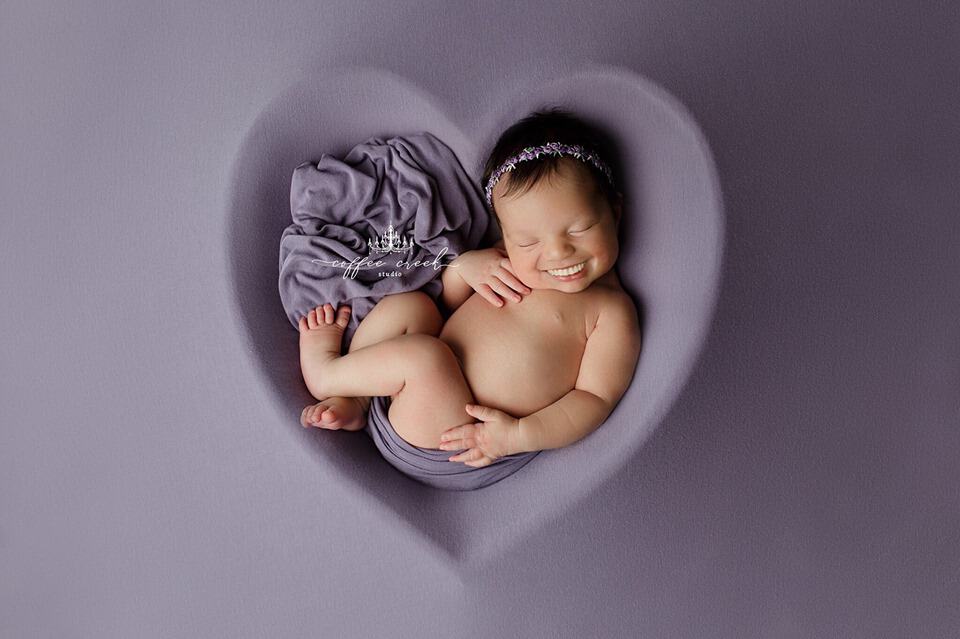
x: 540, y: 340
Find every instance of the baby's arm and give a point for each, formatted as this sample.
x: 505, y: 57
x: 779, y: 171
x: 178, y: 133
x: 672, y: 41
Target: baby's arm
x: 606, y: 369
x: 488, y: 272
x: 455, y: 290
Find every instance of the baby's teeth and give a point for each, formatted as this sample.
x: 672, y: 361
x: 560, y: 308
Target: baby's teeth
x: 567, y: 271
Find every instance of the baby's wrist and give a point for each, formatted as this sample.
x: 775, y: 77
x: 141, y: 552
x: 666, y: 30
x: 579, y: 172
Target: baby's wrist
x: 466, y: 266
x: 525, y: 435
x: 454, y: 268
x: 458, y: 262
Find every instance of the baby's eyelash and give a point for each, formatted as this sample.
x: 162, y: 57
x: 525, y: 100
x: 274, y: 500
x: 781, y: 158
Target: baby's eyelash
x: 572, y: 232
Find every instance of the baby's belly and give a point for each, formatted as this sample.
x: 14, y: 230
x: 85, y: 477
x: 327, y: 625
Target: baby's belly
x: 517, y: 358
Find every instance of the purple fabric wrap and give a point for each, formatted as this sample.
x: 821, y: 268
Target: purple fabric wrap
x: 414, y: 183
x: 430, y: 465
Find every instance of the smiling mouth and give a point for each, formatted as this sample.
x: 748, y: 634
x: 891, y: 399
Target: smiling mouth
x: 570, y: 270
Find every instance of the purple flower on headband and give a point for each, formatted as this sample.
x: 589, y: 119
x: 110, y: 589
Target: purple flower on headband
x: 550, y: 148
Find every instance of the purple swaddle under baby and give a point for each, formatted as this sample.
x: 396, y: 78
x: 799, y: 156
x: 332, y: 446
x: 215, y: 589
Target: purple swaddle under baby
x: 430, y: 465
x: 404, y: 199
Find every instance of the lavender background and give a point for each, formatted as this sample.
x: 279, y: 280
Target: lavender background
x: 804, y: 483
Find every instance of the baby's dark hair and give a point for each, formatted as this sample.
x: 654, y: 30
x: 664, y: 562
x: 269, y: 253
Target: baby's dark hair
x: 551, y: 124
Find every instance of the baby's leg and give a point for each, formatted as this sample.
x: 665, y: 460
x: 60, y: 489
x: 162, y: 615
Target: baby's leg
x: 419, y: 371
x: 393, y: 315
x: 398, y: 314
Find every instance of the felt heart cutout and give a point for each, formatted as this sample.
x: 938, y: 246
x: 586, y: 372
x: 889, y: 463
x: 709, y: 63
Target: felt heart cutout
x: 671, y: 247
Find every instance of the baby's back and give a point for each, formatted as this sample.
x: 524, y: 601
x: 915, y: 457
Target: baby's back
x: 525, y: 355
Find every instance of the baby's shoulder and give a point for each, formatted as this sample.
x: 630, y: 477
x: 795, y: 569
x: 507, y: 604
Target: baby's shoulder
x: 608, y: 291
x: 615, y: 309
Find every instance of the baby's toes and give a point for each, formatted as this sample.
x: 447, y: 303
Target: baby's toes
x: 343, y: 316
x: 307, y: 416
x: 323, y: 415
x: 327, y: 314
x: 330, y: 419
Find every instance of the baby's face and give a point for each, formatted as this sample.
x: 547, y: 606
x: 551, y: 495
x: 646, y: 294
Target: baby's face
x: 562, y: 222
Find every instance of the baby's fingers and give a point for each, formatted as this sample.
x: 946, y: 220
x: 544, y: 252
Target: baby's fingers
x: 487, y: 293
x: 505, y: 290
x: 507, y: 265
x: 512, y: 281
x: 480, y: 463
x: 469, y: 455
x: 458, y: 444
x: 506, y: 274
x: 456, y: 433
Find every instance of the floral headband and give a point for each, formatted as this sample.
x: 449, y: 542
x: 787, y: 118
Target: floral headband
x: 550, y: 148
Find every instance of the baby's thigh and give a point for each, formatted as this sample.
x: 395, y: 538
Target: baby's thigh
x: 398, y: 314
x: 433, y: 397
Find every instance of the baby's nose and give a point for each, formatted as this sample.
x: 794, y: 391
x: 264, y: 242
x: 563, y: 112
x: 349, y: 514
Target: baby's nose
x: 558, y: 248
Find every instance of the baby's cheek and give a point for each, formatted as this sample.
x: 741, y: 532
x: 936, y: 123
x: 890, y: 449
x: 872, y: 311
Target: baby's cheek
x: 529, y: 268
x: 531, y: 276
x: 606, y: 256
x: 610, y: 249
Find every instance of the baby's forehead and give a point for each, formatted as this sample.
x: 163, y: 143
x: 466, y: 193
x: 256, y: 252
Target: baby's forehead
x: 562, y: 203
x: 564, y: 183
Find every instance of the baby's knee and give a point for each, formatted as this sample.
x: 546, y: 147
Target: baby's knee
x: 421, y: 313
x: 430, y: 353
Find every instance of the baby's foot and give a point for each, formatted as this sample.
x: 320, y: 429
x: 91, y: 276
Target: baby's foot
x: 321, y: 333
x: 336, y: 413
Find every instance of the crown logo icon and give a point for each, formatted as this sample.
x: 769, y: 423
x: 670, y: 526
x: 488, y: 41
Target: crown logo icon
x: 390, y: 242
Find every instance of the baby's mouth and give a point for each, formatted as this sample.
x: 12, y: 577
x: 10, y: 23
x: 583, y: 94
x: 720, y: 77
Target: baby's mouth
x: 570, y: 270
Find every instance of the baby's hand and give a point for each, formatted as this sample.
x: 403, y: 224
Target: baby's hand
x: 488, y: 272
x: 495, y: 436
